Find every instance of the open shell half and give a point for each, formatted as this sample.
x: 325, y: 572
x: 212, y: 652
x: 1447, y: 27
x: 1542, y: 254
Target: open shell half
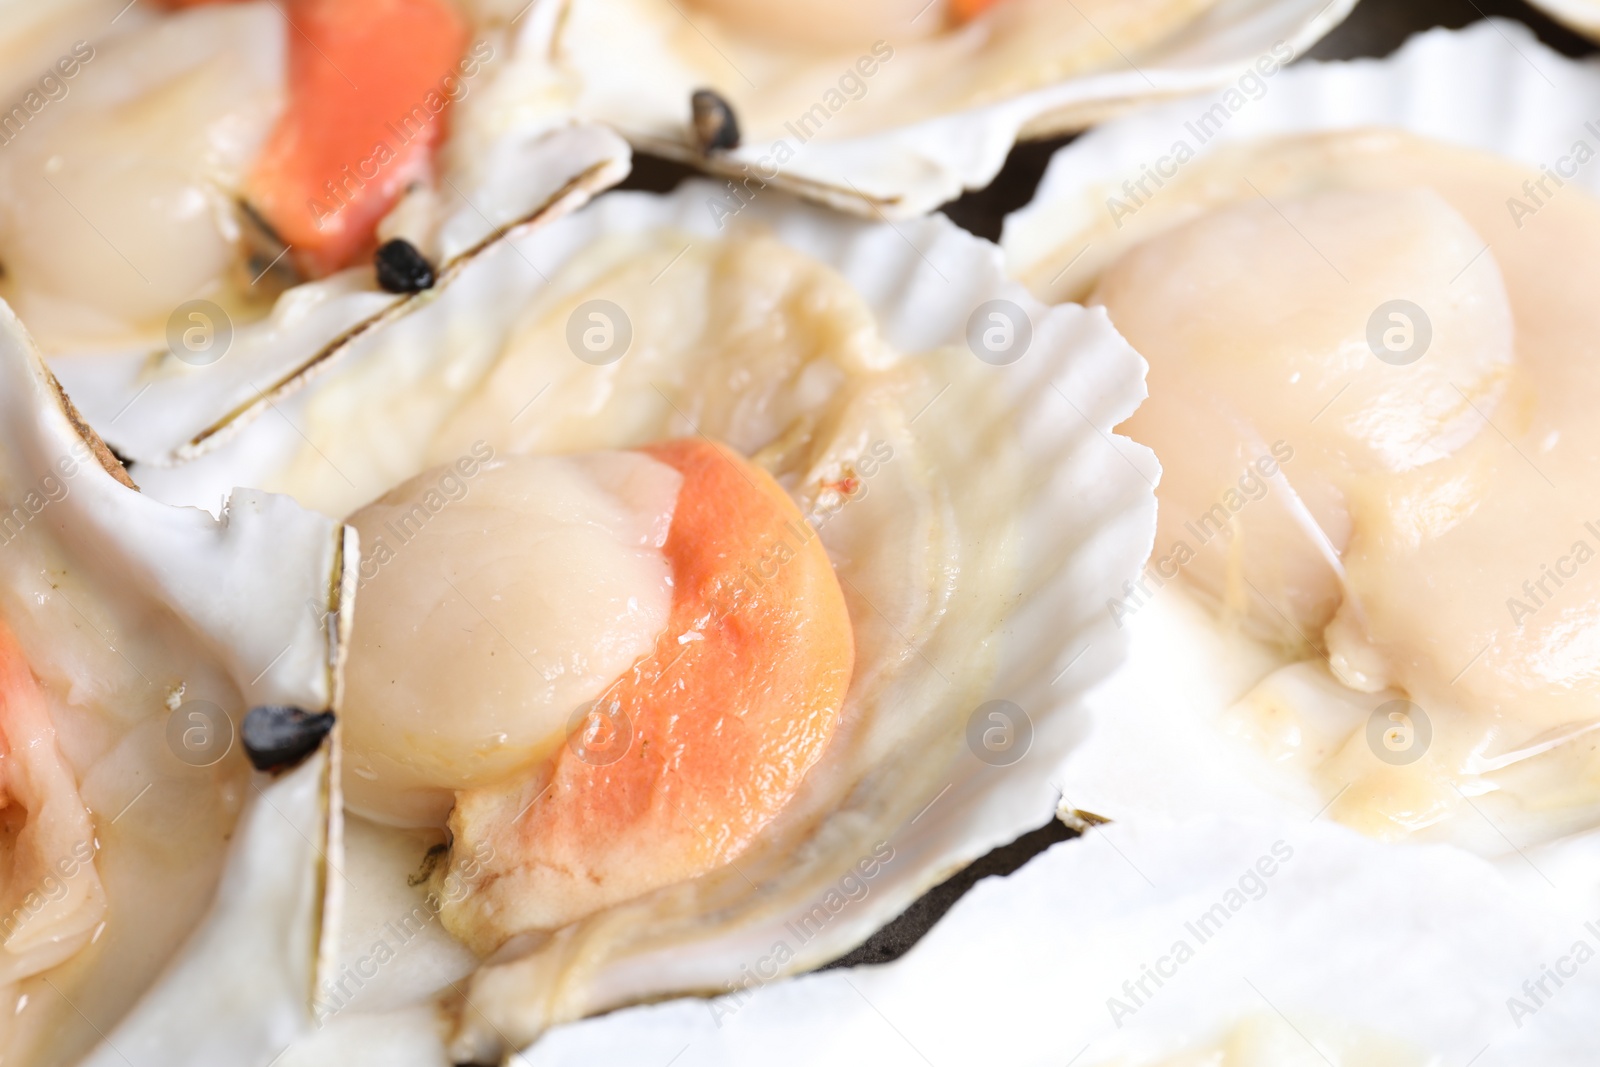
x: 899, y: 126
x: 1008, y: 501
x: 1067, y: 236
x: 168, y: 905
x: 158, y: 387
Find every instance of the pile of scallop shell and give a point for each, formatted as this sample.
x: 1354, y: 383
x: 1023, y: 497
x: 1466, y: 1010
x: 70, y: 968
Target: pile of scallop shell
x: 453, y: 611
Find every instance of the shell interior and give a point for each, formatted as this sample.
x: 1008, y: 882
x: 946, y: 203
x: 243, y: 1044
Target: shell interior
x: 887, y: 163
x: 151, y: 629
x: 1034, y: 435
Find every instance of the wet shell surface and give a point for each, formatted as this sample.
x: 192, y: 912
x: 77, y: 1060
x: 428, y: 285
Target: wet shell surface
x: 164, y: 904
x: 999, y: 481
x: 902, y: 125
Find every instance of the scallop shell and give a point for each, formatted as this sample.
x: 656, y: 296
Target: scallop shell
x: 128, y: 609
x: 1082, y: 529
x: 1491, y: 87
x: 505, y: 167
x: 238, y: 987
x: 158, y: 409
x: 1071, y: 959
x: 893, y: 168
x: 1190, y: 816
x: 1528, y: 105
x: 1036, y: 967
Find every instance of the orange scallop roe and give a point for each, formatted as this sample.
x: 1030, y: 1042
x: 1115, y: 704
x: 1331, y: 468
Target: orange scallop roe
x: 35, y: 776
x: 24, y: 722
x: 368, y: 103
x: 701, y: 743
x: 967, y: 10
x: 367, y: 110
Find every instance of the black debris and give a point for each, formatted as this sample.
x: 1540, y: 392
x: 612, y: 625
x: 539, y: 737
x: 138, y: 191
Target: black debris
x: 277, y: 736
x: 715, y: 127
x: 401, y: 268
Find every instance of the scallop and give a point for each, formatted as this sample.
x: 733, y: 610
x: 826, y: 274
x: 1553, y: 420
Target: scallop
x: 567, y: 550
x: 151, y: 876
x: 890, y: 108
x: 185, y: 235
x: 1417, y: 665
x: 1242, y: 357
x: 886, y: 534
x: 112, y: 210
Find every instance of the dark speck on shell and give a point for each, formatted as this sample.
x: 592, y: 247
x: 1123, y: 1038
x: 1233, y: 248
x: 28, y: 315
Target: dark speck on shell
x: 276, y: 736
x: 401, y: 268
x: 715, y: 126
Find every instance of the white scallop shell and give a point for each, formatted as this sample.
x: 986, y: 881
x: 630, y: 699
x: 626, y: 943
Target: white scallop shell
x: 1355, y: 955
x: 503, y: 169
x: 1491, y: 87
x: 1525, y: 102
x: 154, y: 408
x: 113, y: 593
x: 237, y: 991
x: 1354, y: 935
x: 1423, y: 946
x: 1083, y: 529
x: 900, y: 171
